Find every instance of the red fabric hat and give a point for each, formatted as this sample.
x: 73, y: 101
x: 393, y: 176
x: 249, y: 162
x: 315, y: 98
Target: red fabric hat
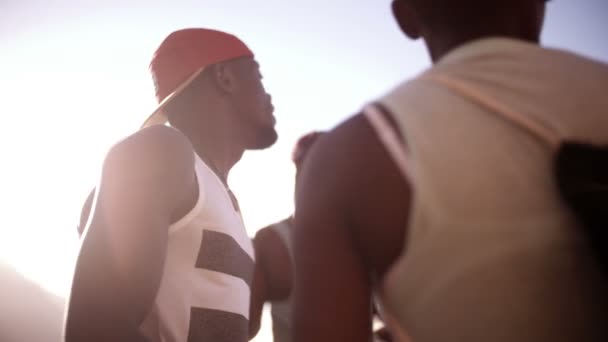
x: 182, y: 56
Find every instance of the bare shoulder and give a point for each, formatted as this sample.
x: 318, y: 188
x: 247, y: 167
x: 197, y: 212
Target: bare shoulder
x: 340, y: 159
x: 333, y: 277
x: 269, y: 245
x: 156, y: 143
x: 157, y: 152
x: 266, y: 235
x: 350, y: 173
x: 152, y: 169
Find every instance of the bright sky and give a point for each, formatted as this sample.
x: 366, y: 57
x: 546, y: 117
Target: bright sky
x: 74, y: 79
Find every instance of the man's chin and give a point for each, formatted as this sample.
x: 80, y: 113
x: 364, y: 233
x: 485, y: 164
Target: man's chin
x: 264, y: 139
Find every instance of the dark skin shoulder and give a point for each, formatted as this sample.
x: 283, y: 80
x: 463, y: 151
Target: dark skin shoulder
x: 184, y: 208
x: 273, y: 274
x: 351, y: 217
x: 146, y: 179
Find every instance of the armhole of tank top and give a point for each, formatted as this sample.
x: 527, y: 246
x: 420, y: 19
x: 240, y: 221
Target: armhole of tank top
x: 388, y: 137
x: 199, y: 201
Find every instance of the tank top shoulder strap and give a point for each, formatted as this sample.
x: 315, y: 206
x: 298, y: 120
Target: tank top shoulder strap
x: 200, y: 181
x: 388, y: 136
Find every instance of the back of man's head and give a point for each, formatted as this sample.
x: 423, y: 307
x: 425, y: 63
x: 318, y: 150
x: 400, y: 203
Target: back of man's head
x: 463, y: 20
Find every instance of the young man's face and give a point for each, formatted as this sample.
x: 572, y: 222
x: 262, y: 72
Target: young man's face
x: 254, y: 105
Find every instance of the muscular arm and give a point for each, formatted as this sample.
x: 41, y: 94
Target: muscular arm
x: 273, y: 274
x: 144, y: 180
x: 352, y: 206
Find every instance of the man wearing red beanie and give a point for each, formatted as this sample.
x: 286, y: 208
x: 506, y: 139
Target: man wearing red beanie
x: 165, y: 255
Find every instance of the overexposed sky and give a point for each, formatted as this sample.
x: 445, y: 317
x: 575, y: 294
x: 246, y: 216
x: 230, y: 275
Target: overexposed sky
x: 74, y: 79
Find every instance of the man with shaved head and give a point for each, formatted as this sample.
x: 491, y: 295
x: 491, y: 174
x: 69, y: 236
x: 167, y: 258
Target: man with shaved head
x: 165, y: 256
x: 439, y: 197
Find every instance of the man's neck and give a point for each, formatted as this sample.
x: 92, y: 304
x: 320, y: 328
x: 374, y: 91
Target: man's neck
x: 220, y: 157
x: 441, y: 45
x: 218, y: 149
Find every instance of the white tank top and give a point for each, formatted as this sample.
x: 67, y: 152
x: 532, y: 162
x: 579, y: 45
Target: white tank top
x: 492, y: 252
x: 205, y: 288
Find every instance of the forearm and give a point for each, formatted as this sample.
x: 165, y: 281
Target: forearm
x: 98, y: 314
x: 106, y: 304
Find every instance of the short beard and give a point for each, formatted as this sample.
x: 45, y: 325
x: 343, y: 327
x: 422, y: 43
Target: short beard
x: 264, y: 139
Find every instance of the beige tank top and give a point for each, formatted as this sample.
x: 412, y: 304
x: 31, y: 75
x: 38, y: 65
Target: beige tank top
x: 493, y: 254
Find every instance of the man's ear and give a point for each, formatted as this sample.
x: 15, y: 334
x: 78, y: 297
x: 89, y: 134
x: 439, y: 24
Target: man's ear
x: 223, y: 77
x: 407, y: 18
